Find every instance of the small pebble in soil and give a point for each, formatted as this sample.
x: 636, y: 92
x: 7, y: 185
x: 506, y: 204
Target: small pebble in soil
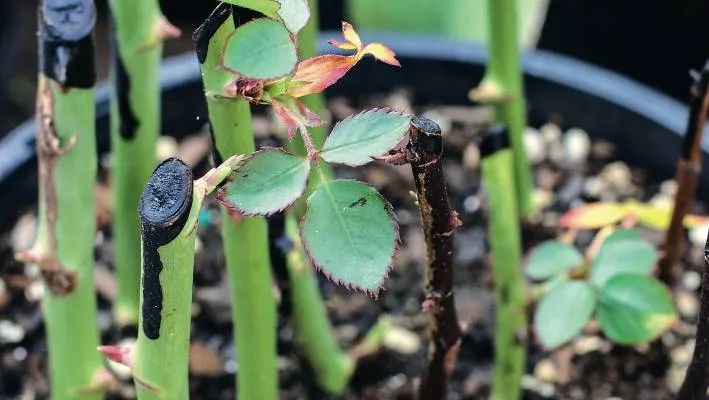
x: 681, y: 356
x: 691, y: 280
x: 440, y: 118
x: 166, y: 147
x: 698, y: 235
x: 662, y: 200
x: 551, y: 134
x: 402, y: 340
x: 545, y: 371
x: 544, y: 389
x: 687, y: 304
x: 34, y: 291
x: 471, y: 157
x: 577, y: 146
x: 400, y: 100
x: 588, y: 344
x: 534, y: 146
x: 542, y: 198
x: 10, y: 332
x: 617, y: 176
x: 669, y: 187
x: 593, y: 187
x: 23, y: 234
x: 19, y: 354
x: 471, y: 204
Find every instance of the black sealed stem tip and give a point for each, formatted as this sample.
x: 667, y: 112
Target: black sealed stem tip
x: 203, y: 34
x: 65, y: 44
x: 164, y: 209
x: 425, y: 140
x: 439, y: 222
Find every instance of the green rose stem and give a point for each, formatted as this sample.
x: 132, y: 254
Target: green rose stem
x: 688, y: 168
x: 510, y: 295
x: 424, y: 153
x: 696, y: 380
x: 139, y: 29
x: 245, y: 238
x: 503, y: 87
x: 66, y: 152
x: 168, y: 211
x: 333, y: 368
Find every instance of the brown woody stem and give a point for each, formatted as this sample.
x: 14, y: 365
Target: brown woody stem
x: 696, y: 381
x: 424, y: 153
x: 688, y: 168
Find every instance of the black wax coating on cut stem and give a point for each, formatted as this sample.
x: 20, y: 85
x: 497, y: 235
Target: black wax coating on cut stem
x: 66, y: 49
x: 496, y: 139
x: 424, y: 153
x: 203, y: 34
x: 164, y: 209
x: 696, y: 382
x: 127, y: 121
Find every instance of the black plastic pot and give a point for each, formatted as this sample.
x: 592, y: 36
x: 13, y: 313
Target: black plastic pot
x: 645, y: 125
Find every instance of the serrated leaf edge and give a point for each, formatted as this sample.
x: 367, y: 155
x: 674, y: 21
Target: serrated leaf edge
x: 233, y: 207
x: 386, y: 110
x: 349, y: 285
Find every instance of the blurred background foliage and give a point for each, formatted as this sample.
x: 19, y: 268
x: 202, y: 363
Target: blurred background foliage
x: 653, y: 41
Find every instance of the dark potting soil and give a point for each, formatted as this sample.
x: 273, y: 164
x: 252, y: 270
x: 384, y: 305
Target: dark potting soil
x: 567, y: 172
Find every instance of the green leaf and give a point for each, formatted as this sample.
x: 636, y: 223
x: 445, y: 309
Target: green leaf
x: 551, y: 258
x: 268, y: 182
x: 295, y: 14
x: 268, y: 8
x: 261, y: 49
x: 634, y: 309
x: 563, y: 312
x: 350, y: 234
x: 623, y: 252
x: 357, y: 139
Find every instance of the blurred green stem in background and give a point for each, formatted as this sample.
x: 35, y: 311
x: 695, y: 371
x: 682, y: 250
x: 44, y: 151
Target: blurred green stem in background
x: 332, y: 367
x: 506, y: 259
x: 460, y: 19
x: 502, y: 86
x: 138, y: 29
x: 245, y: 238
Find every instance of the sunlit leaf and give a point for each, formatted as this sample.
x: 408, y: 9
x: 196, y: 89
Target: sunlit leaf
x: 350, y: 234
x: 315, y: 74
x: 622, y: 252
x: 653, y: 217
x: 551, y: 258
x: 357, y: 139
x: 268, y: 8
x: 268, y: 182
x: 350, y: 35
x: 261, y: 49
x: 295, y: 14
x: 382, y: 53
x: 634, y: 309
x: 563, y: 312
x: 593, y: 216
